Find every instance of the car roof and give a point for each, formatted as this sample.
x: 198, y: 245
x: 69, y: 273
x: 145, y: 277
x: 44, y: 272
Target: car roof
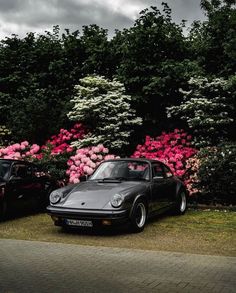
x: 110, y: 160
x: 16, y: 161
x: 136, y: 160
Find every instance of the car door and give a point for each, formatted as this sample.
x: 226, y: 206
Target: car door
x: 16, y: 186
x: 21, y: 186
x: 170, y: 185
x: 158, y: 187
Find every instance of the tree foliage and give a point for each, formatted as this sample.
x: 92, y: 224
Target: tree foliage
x: 35, y: 84
x: 154, y: 63
x: 38, y: 75
x: 153, y: 59
x: 214, y: 40
x: 98, y: 57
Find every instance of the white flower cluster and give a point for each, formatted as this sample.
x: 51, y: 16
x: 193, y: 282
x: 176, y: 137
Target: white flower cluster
x: 206, y: 107
x: 103, y: 107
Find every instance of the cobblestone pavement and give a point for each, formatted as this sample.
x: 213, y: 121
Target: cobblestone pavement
x: 27, y: 266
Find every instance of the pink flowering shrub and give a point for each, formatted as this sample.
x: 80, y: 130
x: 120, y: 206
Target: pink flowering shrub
x: 173, y: 149
x: 57, y: 150
x: 57, y: 144
x: 86, y: 160
x: 52, y: 156
x: 191, y: 178
x: 57, y: 156
x: 20, y: 151
x: 60, y: 143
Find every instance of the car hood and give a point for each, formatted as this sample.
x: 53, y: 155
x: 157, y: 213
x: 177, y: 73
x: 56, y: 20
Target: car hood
x: 97, y: 195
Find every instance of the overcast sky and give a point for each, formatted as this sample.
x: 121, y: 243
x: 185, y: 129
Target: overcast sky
x: 22, y: 16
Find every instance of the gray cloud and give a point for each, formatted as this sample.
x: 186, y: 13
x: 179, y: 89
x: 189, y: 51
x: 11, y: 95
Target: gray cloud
x: 10, y: 5
x: 21, y: 16
x: 181, y: 9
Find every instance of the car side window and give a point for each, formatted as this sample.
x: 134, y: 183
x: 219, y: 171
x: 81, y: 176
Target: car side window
x: 21, y: 171
x: 167, y: 172
x: 4, y: 169
x: 157, y: 170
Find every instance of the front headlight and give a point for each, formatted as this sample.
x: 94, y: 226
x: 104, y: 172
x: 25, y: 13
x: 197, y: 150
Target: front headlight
x: 55, y: 196
x: 117, y: 200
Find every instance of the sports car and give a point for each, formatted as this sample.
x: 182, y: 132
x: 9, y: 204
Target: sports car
x: 119, y: 191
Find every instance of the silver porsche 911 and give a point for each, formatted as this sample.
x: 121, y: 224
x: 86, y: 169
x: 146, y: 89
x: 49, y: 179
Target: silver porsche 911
x: 119, y: 191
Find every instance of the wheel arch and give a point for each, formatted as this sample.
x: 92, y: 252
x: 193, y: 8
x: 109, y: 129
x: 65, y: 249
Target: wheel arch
x: 138, y: 197
x: 181, y: 187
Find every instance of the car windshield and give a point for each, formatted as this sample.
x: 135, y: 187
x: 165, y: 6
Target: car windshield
x: 4, y: 169
x: 122, y: 170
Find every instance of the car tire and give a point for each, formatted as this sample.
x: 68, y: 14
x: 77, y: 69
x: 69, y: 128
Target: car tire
x: 138, y: 216
x: 181, y: 205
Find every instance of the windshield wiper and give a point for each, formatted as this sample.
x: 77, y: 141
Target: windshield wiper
x: 119, y: 179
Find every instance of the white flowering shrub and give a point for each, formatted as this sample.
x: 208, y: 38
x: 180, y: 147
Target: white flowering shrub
x: 217, y: 173
x: 104, y: 108
x: 207, y: 108
x: 5, y: 135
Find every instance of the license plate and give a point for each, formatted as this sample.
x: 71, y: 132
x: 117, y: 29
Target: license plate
x: 80, y: 223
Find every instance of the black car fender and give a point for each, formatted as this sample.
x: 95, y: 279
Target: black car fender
x: 181, y: 187
x: 135, y: 200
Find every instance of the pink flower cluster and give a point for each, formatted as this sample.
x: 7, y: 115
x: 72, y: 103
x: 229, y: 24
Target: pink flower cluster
x: 60, y: 143
x: 85, y: 161
x: 191, y: 175
x: 171, y: 148
x: 20, y: 151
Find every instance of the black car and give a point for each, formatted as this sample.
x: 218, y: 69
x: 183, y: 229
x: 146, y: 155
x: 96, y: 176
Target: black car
x: 119, y: 191
x: 23, y: 185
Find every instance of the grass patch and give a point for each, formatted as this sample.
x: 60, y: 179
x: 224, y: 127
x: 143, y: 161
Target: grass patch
x: 203, y: 232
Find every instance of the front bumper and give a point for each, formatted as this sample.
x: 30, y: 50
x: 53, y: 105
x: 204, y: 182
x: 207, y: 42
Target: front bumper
x: 98, y: 217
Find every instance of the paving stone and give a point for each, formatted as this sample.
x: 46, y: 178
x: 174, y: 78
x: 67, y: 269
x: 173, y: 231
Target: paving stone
x: 31, y: 266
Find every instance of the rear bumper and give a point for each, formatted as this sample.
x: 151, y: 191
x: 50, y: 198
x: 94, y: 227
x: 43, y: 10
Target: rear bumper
x: 98, y: 217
